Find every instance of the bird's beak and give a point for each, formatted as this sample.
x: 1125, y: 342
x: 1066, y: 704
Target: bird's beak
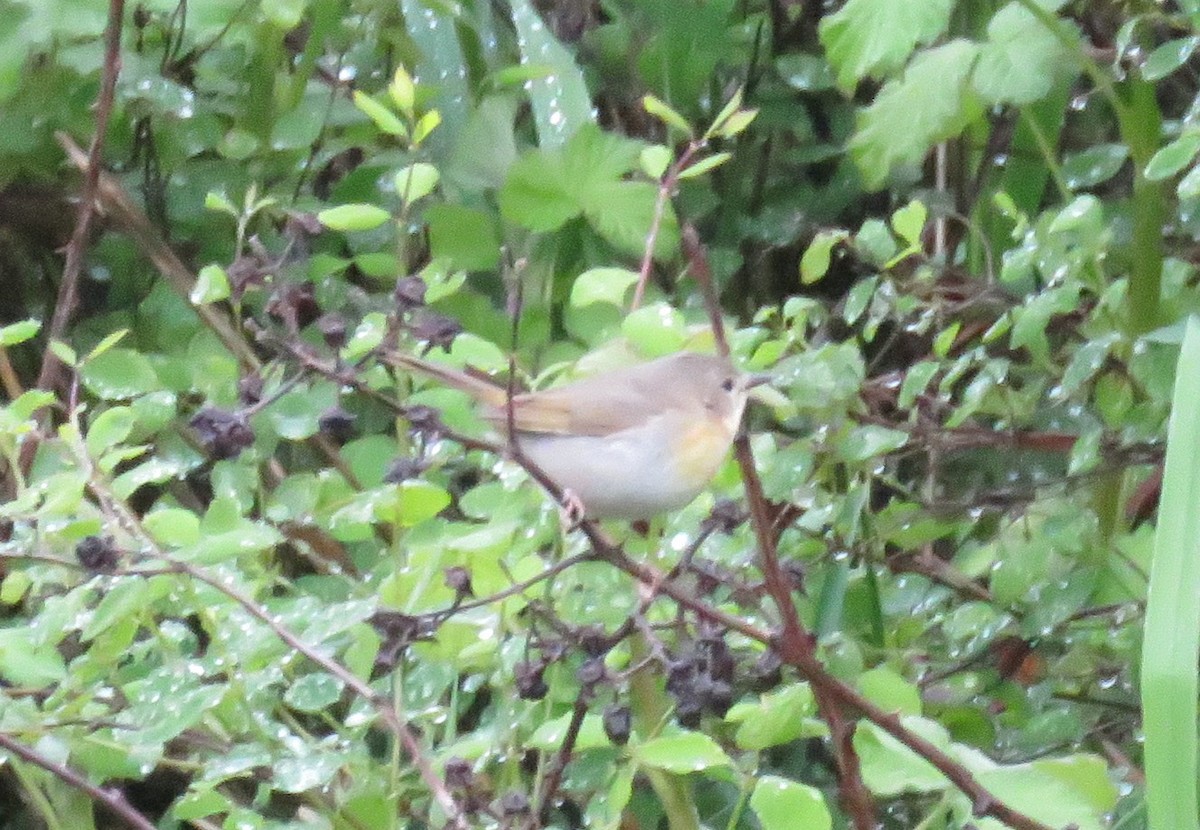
x: 757, y: 380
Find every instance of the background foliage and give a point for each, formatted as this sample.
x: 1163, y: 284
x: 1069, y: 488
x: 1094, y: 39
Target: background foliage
x: 253, y: 577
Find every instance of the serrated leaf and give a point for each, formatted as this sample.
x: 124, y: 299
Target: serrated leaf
x: 1021, y: 59
x: 874, y: 37
x: 623, y: 213
x: 931, y: 102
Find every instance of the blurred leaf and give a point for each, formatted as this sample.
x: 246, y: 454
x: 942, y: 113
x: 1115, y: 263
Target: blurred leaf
x: 681, y: 753
x: 931, y: 102
x: 561, y: 102
x: 780, y: 804
x: 353, y: 217
x: 872, y: 38
x: 119, y: 374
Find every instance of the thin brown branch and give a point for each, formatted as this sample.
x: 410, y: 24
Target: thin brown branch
x: 131, y: 220
x: 110, y: 798
x: 51, y: 374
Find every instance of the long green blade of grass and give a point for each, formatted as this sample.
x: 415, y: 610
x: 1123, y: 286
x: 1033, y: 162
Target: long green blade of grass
x: 1172, y: 632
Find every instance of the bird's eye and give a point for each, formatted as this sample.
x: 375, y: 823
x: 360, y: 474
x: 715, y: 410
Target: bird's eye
x: 727, y: 384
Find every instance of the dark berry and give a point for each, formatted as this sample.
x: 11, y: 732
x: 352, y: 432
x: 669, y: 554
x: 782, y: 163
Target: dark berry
x: 531, y: 685
x: 337, y: 423
x: 458, y: 579
x: 333, y: 328
x: 409, y: 294
x: 97, y: 554
x: 404, y: 469
x: 223, y: 434
x: 618, y: 723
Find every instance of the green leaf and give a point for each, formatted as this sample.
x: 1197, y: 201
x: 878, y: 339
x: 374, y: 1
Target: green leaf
x: 814, y: 264
x: 386, y: 120
x: 415, y: 181
x: 24, y: 661
x: 15, y: 333
x: 1095, y: 165
x: 781, y: 804
x: 776, y: 719
x: 220, y: 203
x: 535, y: 194
x: 737, y: 123
x: 425, y: 125
x: 173, y: 526
x: 602, y: 285
x: 403, y: 91
x: 285, y: 15
x: 623, y: 213
x: 704, y: 165
x: 660, y: 110
x: 1189, y: 185
x: 118, y: 374
x: 1174, y: 157
x: 314, y: 692
x: 909, y: 221
x: 1168, y: 57
x: 874, y: 37
x: 418, y: 501
x: 654, y: 160
x: 561, y: 102
x: 353, y: 217
x: 930, y: 103
x: 465, y: 237
x: 109, y: 340
x: 890, y: 691
x: 1022, y: 58
x: 212, y: 285
x: 110, y: 428
x: 655, y: 330
x: 871, y: 441
x: 681, y: 753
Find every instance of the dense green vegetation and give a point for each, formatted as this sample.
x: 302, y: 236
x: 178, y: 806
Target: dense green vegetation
x: 252, y: 575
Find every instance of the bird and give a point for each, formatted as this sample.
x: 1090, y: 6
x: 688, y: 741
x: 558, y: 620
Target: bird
x: 631, y: 443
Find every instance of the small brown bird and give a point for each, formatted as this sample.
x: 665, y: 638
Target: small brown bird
x: 626, y: 444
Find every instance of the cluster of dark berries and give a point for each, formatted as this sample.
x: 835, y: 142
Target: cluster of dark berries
x: 222, y: 433
x: 701, y: 680
x: 97, y: 554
